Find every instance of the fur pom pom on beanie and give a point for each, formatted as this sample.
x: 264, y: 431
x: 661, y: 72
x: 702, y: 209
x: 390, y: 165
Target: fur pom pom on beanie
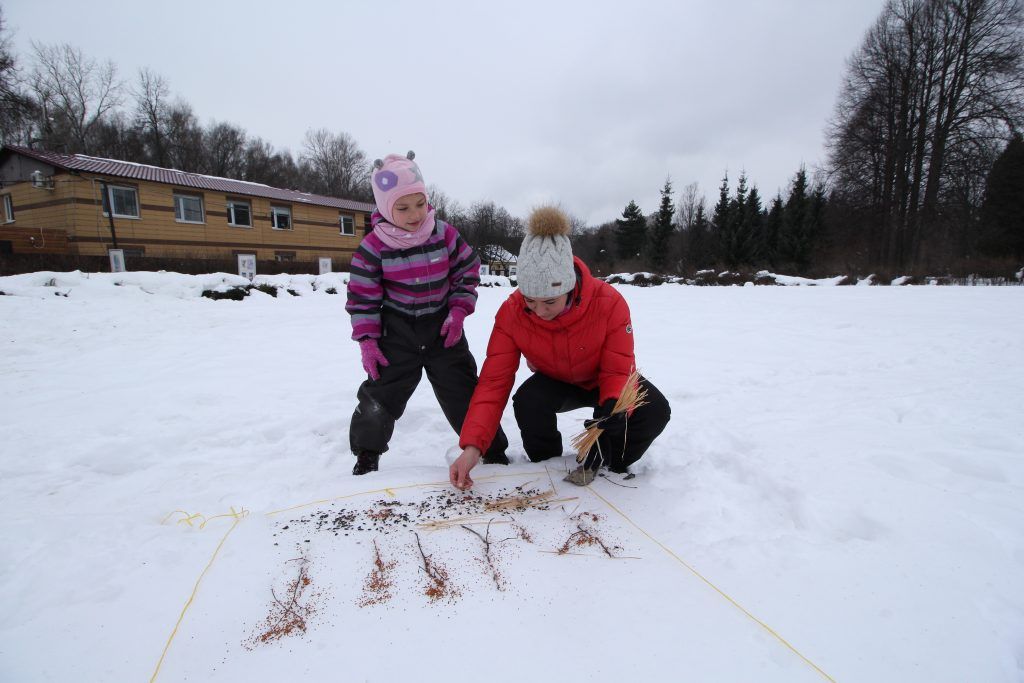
x: 394, y: 177
x: 545, y: 266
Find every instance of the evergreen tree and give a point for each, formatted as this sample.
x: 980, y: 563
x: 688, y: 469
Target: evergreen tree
x: 663, y: 228
x: 1002, y: 213
x: 720, y: 220
x: 698, y: 242
x: 802, y: 223
x: 768, y: 242
x: 631, y: 232
x: 816, y: 221
x: 751, y: 227
x: 736, y: 237
x: 795, y: 240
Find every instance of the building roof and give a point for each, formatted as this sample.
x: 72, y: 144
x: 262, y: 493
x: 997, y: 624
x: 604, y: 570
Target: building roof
x: 170, y: 176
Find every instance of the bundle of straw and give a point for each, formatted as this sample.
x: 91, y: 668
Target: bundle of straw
x: 524, y: 501
x: 632, y: 397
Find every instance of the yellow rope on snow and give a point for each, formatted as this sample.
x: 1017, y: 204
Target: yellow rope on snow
x: 718, y: 590
x: 390, y: 491
x: 187, y: 519
x: 237, y: 516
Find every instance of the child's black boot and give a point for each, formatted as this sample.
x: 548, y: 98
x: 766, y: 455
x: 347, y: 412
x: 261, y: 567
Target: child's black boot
x: 366, y: 461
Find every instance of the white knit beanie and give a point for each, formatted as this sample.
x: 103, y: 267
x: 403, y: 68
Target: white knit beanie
x: 545, y: 265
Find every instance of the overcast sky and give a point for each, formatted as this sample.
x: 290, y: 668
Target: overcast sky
x: 588, y: 104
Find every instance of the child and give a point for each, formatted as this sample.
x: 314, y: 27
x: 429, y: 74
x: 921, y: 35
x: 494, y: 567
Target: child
x: 412, y: 282
x: 577, y: 337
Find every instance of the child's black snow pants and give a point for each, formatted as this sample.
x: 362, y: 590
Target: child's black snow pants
x: 411, y: 346
x: 540, y: 398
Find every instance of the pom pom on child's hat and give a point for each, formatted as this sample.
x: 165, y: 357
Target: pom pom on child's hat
x: 394, y: 177
x: 545, y: 265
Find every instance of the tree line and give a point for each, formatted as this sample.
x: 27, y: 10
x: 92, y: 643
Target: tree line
x: 740, y: 231
x: 930, y: 102
x: 925, y: 165
x: 66, y: 101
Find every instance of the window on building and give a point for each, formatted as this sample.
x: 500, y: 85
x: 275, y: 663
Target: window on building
x: 8, y: 209
x: 284, y: 255
x: 347, y: 224
x: 125, y: 201
x: 239, y: 213
x: 188, y: 208
x: 281, y: 217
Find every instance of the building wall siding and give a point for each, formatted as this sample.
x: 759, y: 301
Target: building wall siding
x: 74, y: 207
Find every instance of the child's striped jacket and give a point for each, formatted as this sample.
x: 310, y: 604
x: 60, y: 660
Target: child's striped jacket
x: 441, y: 273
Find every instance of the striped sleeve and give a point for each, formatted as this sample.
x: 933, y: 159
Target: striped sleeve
x: 463, y: 272
x: 365, y: 291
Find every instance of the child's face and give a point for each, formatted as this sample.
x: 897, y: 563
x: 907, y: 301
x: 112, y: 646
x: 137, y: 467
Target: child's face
x: 409, y: 211
x: 547, y: 309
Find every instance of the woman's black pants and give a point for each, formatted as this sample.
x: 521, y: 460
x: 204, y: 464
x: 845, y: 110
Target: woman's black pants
x: 540, y: 398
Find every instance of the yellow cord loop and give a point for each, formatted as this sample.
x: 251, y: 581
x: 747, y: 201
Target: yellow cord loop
x: 190, y: 518
x: 237, y: 516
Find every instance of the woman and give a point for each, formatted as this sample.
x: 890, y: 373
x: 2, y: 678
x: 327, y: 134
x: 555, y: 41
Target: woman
x: 576, y: 335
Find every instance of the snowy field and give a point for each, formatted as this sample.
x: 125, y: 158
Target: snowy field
x: 839, y: 496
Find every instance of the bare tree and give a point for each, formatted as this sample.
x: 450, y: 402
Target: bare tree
x: 151, y: 113
x: 184, y: 139
x: 488, y: 225
x: 74, y: 94
x: 440, y: 201
x: 577, y: 225
x: 224, y: 147
x: 689, y: 198
x: 934, y: 82
x: 15, y: 105
x: 335, y: 165
x: 264, y: 165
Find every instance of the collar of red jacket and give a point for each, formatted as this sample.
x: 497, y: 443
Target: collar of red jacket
x: 583, y: 293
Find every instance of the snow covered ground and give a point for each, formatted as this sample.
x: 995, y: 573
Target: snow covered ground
x: 839, y: 495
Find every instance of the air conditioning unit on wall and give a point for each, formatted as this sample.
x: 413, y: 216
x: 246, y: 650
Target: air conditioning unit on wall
x: 42, y: 182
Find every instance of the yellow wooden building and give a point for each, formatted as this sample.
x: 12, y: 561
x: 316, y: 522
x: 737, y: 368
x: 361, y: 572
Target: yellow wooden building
x: 60, y: 204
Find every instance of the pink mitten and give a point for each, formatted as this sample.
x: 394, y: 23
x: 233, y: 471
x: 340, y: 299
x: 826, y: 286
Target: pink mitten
x: 451, y: 330
x: 372, y: 357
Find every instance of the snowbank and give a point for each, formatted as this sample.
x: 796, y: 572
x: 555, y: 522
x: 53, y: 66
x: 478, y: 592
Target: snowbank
x: 76, y: 283
x: 46, y: 284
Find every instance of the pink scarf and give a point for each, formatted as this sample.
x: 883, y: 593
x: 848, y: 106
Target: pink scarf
x: 397, y: 238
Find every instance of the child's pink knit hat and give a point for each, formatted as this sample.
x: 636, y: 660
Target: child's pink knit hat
x: 393, y: 178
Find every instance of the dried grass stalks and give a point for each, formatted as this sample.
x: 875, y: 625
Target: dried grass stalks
x: 631, y: 398
x: 438, y: 524
x: 520, y: 502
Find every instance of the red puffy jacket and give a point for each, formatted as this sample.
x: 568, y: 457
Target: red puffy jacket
x: 590, y: 346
